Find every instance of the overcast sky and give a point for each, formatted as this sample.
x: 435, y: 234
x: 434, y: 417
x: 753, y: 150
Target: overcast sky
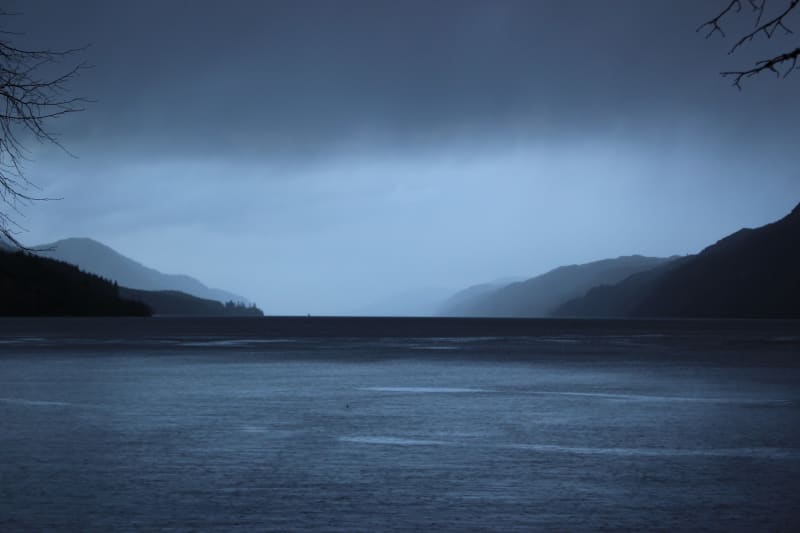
x: 322, y: 157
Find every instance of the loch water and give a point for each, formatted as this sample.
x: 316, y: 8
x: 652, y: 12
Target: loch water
x: 357, y: 424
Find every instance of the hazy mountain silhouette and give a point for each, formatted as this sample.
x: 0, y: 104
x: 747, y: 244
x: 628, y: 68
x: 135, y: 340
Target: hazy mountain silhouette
x: 753, y: 273
x: 176, y: 303
x: 97, y: 258
x: 541, y: 295
x: 463, y: 299
x: 36, y: 286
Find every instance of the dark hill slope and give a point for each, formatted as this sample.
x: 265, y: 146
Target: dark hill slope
x: 36, y: 286
x: 95, y: 257
x: 753, y: 273
x: 541, y: 295
x: 174, y: 303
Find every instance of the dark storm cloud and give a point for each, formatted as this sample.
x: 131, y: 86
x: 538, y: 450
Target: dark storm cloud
x: 294, y: 78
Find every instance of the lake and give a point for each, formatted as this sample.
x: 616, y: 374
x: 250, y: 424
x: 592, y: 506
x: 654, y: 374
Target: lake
x: 348, y: 424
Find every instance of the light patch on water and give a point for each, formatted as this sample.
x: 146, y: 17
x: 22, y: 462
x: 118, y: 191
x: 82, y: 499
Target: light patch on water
x: 233, y: 342
x: 745, y: 453
x: 42, y: 403
x: 755, y: 453
x: 653, y: 398
x: 464, y: 340
x: 600, y: 395
x: 273, y: 432
x: 424, y: 390
x: 21, y: 340
x: 424, y: 341
x: 396, y: 441
x: 433, y: 347
x: 561, y: 340
x: 463, y: 434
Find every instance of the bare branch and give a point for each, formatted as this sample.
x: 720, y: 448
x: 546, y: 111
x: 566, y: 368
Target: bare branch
x: 32, y: 94
x: 714, y: 23
x: 759, y: 9
x: 767, y: 64
x: 768, y: 28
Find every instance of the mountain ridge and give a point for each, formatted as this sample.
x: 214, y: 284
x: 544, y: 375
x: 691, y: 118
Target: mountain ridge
x: 540, y: 295
x: 32, y: 285
x: 98, y: 258
x: 36, y: 286
x: 176, y: 303
x: 751, y: 273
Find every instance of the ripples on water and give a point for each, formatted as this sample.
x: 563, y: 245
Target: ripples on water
x: 192, y: 428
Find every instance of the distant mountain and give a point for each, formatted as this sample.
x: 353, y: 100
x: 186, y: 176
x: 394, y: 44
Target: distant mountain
x: 753, y: 273
x: 97, y: 258
x: 463, y: 299
x: 174, y: 303
x: 540, y: 296
x: 36, y: 286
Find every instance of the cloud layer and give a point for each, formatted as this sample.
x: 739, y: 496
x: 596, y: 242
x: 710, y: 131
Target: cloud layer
x: 318, y: 156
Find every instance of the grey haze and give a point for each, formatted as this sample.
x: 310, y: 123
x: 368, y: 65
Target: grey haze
x: 319, y: 157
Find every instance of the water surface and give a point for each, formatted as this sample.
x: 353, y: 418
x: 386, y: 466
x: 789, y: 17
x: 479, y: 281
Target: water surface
x: 364, y: 425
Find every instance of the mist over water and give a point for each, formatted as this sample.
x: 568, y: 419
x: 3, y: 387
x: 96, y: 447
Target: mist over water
x: 278, y: 425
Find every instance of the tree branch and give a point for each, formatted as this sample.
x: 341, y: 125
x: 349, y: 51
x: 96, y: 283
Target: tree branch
x: 714, y: 23
x: 31, y: 96
x: 766, y: 64
x: 768, y: 29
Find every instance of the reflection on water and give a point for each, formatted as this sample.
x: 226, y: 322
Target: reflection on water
x: 423, y: 390
x: 651, y: 398
x: 759, y: 453
x: 44, y: 403
x: 393, y: 441
x: 342, y: 434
